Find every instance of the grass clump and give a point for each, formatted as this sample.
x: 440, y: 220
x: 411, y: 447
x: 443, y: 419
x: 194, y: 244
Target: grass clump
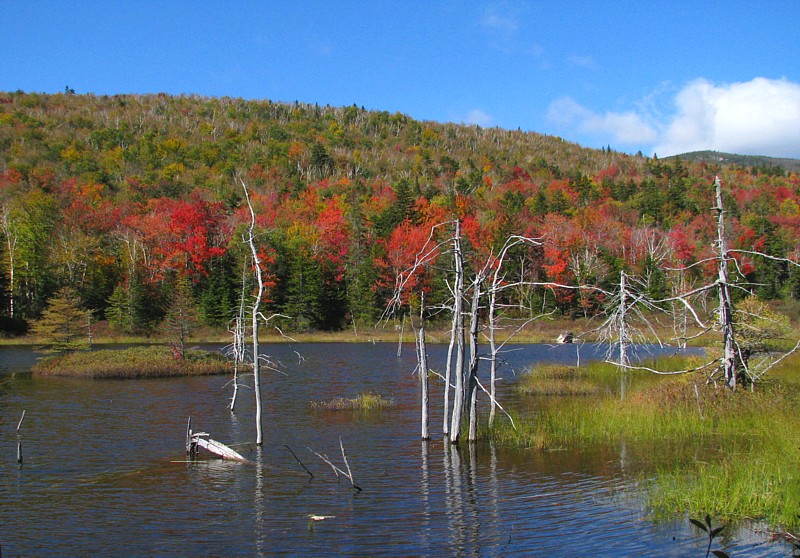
x: 363, y: 402
x: 563, y: 380
x: 134, y: 362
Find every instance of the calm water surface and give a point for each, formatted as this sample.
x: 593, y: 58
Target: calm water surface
x: 105, y: 473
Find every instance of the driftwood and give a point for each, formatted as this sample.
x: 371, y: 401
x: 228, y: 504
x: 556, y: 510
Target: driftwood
x: 195, y: 440
x: 565, y: 337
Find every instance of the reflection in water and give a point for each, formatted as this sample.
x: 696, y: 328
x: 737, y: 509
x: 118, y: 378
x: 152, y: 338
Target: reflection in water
x: 105, y: 473
x: 259, y: 505
x: 462, y: 499
x: 425, y: 493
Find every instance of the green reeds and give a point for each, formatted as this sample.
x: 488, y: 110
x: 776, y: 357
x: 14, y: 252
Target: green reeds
x: 362, y: 402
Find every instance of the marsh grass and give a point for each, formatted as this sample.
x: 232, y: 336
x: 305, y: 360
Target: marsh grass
x: 735, y: 455
x: 134, y: 362
x: 362, y: 402
x: 560, y: 380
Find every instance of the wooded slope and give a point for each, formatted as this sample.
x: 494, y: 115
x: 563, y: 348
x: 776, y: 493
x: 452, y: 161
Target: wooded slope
x: 118, y: 196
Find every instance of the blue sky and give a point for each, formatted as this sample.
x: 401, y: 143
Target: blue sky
x: 663, y: 77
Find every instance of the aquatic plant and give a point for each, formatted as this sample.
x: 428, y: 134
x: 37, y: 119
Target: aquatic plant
x: 713, y: 532
x: 362, y: 402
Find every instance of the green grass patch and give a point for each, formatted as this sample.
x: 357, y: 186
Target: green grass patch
x: 135, y: 362
x: 363, y: 402
x: 565, y: 380
x: 705, y: 449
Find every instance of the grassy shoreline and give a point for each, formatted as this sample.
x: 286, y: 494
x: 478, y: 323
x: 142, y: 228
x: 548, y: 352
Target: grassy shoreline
x: 732, y: 455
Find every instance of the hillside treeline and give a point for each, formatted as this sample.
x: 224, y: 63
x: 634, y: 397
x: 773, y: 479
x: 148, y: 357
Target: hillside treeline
x: 121, y: 196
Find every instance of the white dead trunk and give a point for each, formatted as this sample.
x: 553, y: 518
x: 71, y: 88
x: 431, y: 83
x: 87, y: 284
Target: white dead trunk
x: 423, y: 381
x: 11, y: 245
x: 472, y: 377
x: 238, y: 333
x: 447, y: 376
x: 723, y: 288
x: 458, y: 397
x: 255, y: 315
x: 493, y: 349
x: 623, y: 323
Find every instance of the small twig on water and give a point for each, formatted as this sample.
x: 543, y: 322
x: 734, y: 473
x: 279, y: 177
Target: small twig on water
x: 349, y: 473
x: 19, y: 424
x: 336, y: 470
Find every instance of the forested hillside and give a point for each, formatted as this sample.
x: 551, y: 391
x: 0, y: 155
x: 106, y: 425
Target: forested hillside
x: 121, y: 196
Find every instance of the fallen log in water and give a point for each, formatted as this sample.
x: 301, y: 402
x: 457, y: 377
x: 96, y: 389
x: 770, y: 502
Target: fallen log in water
x: 217, y: 448
x: 196, y: 440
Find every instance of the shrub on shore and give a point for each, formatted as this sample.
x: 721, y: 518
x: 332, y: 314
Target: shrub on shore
x: 134, y: 362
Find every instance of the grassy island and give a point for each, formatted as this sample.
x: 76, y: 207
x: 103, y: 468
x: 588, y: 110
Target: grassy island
x: 135, y: 362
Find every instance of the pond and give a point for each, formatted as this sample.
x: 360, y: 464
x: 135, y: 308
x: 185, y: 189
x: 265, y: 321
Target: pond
x: 105, y: 473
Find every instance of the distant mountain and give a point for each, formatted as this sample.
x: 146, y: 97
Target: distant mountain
x: 719, y: 158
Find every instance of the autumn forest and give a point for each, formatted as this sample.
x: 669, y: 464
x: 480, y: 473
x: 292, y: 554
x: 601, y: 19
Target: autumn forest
x: 122, y: 197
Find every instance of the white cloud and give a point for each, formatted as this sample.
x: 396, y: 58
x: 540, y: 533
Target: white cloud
x: 479, y: 117
x: 619, y: 127
x: 504, y: 24
x: 501, y: 18
x: 758, y: 117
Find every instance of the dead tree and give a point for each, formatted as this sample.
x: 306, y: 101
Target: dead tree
x: 500, y: 283
x: 422, y: 357
x: 732, y: 364
x: 457, y: 334
x: 255, y: 315
x: 236, y: 350
x: 724, y: 291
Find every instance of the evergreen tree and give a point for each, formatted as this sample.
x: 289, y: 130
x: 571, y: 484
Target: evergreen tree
x: 63, y: 325
x: 181, y: 317
x: 119, y: 312
x: 219, y: 296
x: 304, y: 293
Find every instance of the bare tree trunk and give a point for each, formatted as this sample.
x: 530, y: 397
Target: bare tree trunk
x: 458, y: 306
x: 400, y: 340
x: 472, y: 394
x: 447, y: 375
x: 493, y: 350
x: 623, y: 323
x: 723, y: 287
x: 238, y: 332
x: 11, y: 244
x: 423, y: 380
x: 255, y: 316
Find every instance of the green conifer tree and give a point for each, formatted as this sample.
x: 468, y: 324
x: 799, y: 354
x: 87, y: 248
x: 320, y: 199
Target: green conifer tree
x: 63, y: 325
